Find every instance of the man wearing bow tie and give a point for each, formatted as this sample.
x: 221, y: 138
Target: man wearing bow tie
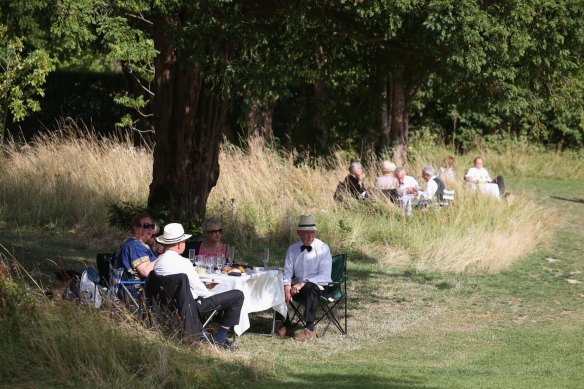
x: 307, y: 272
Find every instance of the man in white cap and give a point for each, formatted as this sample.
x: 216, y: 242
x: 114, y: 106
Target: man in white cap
x: 308, y: 264
x: 171, y: 262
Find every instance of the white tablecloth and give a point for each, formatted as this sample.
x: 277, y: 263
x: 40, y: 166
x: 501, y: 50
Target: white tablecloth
x: 262, y: 290
x: 488, y: 189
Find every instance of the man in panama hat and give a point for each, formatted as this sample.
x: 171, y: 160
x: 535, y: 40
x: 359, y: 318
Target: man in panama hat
x: 307, y: 272
x: 171, y: 262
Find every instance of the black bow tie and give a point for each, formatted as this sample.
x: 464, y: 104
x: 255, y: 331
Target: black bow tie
x: 307, y: 248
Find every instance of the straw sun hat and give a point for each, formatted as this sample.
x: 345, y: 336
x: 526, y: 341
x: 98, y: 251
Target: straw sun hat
x: 306, y: 223
x: 173, y: 233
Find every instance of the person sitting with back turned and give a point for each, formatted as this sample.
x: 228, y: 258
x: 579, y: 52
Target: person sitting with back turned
x: 134, y: 255
x: 354, y: 181
x: 171, y: 262
x: 479, y: 175
x: 308, y: 264
x: 435, y: 187
x: 387, y: 183
x: 407, y: 189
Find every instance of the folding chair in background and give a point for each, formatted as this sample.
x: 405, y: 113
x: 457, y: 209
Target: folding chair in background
x: 335, y: 297
x: 447, y: 197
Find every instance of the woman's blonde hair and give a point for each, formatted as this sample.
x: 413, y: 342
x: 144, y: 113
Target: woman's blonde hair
x: 388, y: 167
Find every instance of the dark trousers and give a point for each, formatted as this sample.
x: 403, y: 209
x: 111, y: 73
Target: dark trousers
x: 500, y: 181
x: 229, y: 303
x: 309, y: 296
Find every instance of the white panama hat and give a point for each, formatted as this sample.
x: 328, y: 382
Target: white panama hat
x: 306, y: 223
x: 173, y: 233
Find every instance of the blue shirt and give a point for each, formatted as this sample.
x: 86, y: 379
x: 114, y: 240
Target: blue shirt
x: 314, y: 266
x: 131, y: 254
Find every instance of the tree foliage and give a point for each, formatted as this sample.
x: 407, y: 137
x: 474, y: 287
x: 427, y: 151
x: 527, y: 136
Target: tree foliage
x: 24, y: 59
x: 355, y: 73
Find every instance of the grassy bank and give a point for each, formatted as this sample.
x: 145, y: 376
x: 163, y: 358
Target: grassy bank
x: 438, y: 300
x: 517, y: 328
x: 66, y: 181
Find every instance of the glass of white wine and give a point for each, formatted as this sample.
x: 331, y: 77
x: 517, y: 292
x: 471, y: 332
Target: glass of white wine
x: 266, y: 257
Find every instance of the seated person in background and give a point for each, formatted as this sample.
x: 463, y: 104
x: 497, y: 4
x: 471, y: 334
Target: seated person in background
x: 154, y: 245
x: 308, y: 264
x: 211, y: 243
x: 435, y: 187
x: 407, y: 189
x: 387, y: 181
x: 354, y: 181
x: 171, y: 262
x: 446, y: 173
x: 479, y: 175
x: 134, y: 255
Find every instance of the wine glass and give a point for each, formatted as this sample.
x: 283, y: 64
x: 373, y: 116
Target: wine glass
x: 192, y: 256
x: 230, y: 253
x: 220, y: 262
x: 266, y: 257
x: 210, y: 263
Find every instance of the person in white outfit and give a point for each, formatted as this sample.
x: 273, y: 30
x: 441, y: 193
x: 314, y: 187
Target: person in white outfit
x: 307, y: 273
x: 479, y: 175
x: 171, y: 262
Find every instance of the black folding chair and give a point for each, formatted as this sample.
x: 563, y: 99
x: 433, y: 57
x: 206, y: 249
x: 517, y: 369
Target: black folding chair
x: 171, y: 294
x: 335, y: 297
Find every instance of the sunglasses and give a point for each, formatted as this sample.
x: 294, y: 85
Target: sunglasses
x: 146, y: 225
x: 213, y: 231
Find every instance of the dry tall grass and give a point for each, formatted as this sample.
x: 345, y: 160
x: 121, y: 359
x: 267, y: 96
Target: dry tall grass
x: 70, y: 178
x: 59, y: 344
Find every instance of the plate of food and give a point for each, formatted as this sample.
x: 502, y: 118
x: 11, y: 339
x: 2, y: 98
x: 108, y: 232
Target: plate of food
x: 235, y: 270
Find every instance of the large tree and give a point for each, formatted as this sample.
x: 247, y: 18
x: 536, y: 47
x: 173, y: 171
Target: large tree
x: 194, y: 57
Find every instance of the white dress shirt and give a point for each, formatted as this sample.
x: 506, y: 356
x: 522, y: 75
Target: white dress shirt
x: 409, y: 182
x: 478, y: 176
x: 172, y: 262
x: 314, y: 266
x: 431, y: 189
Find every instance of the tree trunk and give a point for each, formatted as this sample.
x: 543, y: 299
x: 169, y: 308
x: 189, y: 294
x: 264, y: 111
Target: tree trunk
x: 399, y: 119
x: 189, y: 118
x: 383, y: 139
x: 318, y: 122
x: 259, y: 122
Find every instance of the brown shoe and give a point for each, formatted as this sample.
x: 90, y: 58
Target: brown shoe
x: 306, y: 335
x: 283, y: 332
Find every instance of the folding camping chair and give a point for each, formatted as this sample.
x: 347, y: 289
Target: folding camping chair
x: 335, y: 296
x: 447, y: 197
x: 117, y: 286
x: 171, y: 294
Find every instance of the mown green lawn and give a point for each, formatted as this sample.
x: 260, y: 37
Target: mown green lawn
x: 522, y: 328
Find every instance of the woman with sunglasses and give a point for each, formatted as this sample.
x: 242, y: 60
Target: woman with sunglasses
x: 211, y: 245
x: 134, y: 255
